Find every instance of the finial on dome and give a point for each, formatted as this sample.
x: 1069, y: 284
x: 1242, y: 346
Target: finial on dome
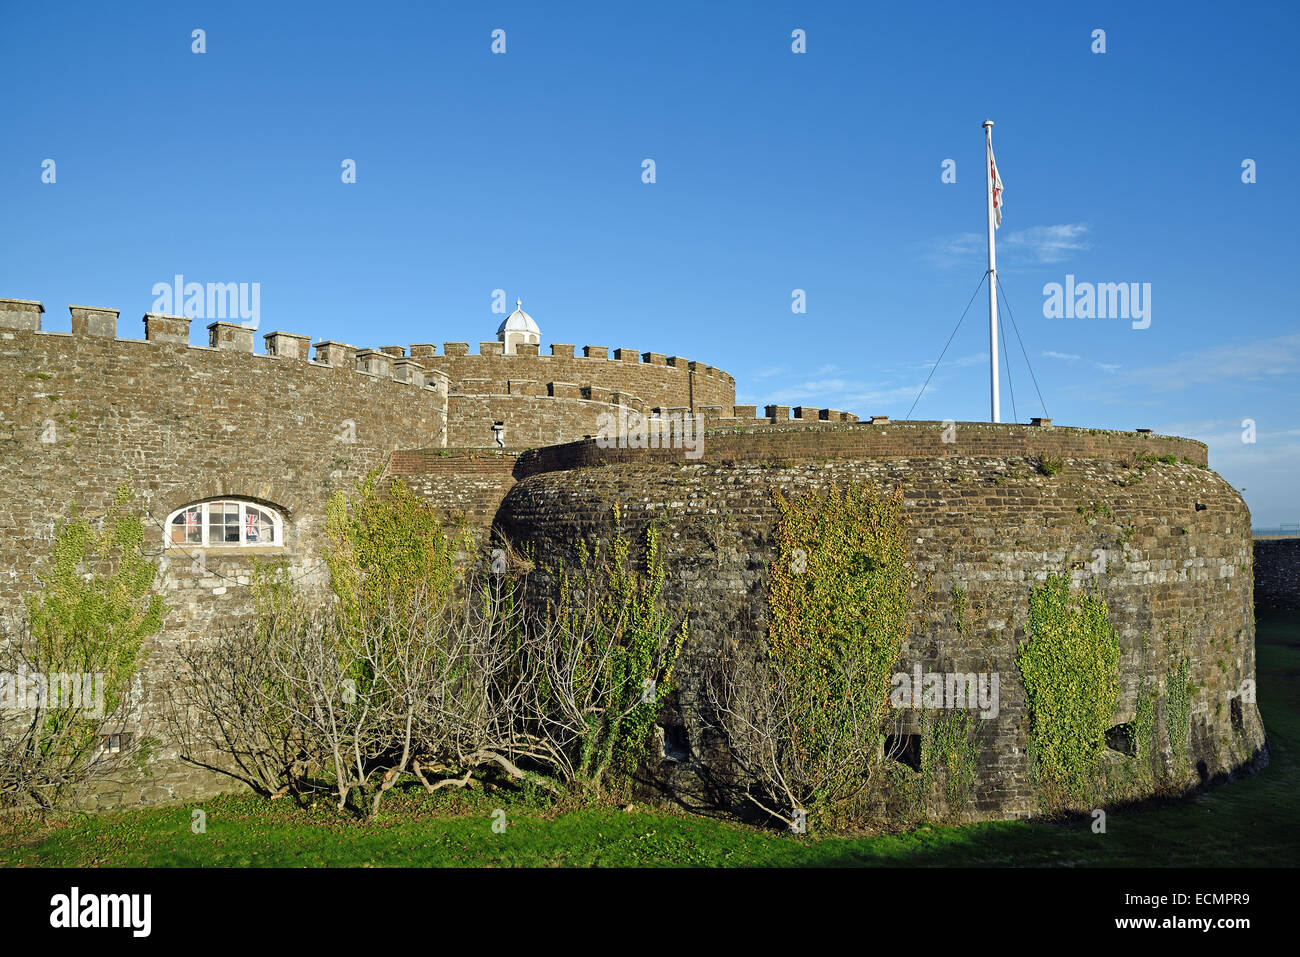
x: 519, y: 304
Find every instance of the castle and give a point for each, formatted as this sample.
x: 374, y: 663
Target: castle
x: 232, y: 454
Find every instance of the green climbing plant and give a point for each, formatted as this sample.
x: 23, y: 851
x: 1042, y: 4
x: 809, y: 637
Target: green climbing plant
x: 808, y: 726
x: 611, y: 660
x: 947, y: 772
x: 386, y: 545
x: 1146, y: 744
x: 949, y: 746
x: 83, y: 630
x: 1069, y: 665
x: 1178, y: 708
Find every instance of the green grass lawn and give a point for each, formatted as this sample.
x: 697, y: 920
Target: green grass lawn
x: 1244, y: 823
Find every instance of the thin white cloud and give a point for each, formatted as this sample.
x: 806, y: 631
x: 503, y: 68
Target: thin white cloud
x: 956, y: 250
x: 1194, y: 429
x: 1227, y: 434
x: 1264, y: 360
x: 822, y: 385
x: 881, y: 397
x: 1050, y: 244
x: 1070, y: 358
x: 961, y: 362
x: 846, y: 394
x: 1040, y: 244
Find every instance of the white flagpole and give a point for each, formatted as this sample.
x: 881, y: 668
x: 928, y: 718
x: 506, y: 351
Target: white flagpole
x: 992, y: 277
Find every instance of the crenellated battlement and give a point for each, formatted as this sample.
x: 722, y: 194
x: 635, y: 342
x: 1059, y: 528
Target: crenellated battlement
x: 524, y: 351
x: 596, y: 372
x: 96, y: 322
x: 520, y: 397
x: 487, y: 397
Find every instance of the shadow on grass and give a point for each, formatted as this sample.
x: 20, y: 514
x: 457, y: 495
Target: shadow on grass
x: 1244, y: 822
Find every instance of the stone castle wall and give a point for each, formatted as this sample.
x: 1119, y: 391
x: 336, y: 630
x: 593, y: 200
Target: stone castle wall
x: 653, y: 379
x: 461, y: 484
x: 528, y: 400
x: 1277, y: 574
x: 1176, y: 539
x: 525, y: 421
x: 728, y: 441
x: 81, y: 413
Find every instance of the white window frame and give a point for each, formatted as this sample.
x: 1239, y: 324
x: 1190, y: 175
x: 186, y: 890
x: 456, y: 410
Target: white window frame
x: 122, y: 739
x: 277, y: 524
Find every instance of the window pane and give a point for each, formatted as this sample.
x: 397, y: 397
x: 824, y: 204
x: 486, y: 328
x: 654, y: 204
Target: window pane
x: 259, y: 527
x: 223, y: 523
x: 187, y: 526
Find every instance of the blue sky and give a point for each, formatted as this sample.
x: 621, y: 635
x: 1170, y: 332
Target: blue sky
x: 775, y: 171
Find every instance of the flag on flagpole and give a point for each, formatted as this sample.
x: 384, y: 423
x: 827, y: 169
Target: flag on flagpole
x: 997, y: 188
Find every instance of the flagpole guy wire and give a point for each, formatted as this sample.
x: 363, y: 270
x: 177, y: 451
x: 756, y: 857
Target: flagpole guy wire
x: 1006, y: 302
x: 1006, y: 360
x: 948, y: 343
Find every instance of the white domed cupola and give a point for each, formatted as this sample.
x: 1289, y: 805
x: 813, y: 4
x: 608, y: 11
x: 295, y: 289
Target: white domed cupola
x: 518, y: 327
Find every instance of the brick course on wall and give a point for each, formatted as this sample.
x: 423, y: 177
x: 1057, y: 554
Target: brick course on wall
x: 829, y: 441
x: 463, y: 485
x: 528, y: 421
x: 683, y: 384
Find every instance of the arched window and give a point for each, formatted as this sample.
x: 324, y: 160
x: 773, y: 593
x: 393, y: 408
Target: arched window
x: 226, y: 523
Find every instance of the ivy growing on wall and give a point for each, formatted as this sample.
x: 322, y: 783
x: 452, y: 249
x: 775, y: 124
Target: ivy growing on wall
x: 95, y: 608
x: 84, y: 632
x: 948, y: 762
x: 949, y: 745
x: 840, y: 584
x: 1069, y: 665
x: 1178, y: 709
x: 388, y: 544
x: 1146, y: 744
x: 624, y: 646
x: 808, y: 727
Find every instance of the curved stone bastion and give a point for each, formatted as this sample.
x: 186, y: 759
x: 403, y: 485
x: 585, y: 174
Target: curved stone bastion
x: 990, y: 511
